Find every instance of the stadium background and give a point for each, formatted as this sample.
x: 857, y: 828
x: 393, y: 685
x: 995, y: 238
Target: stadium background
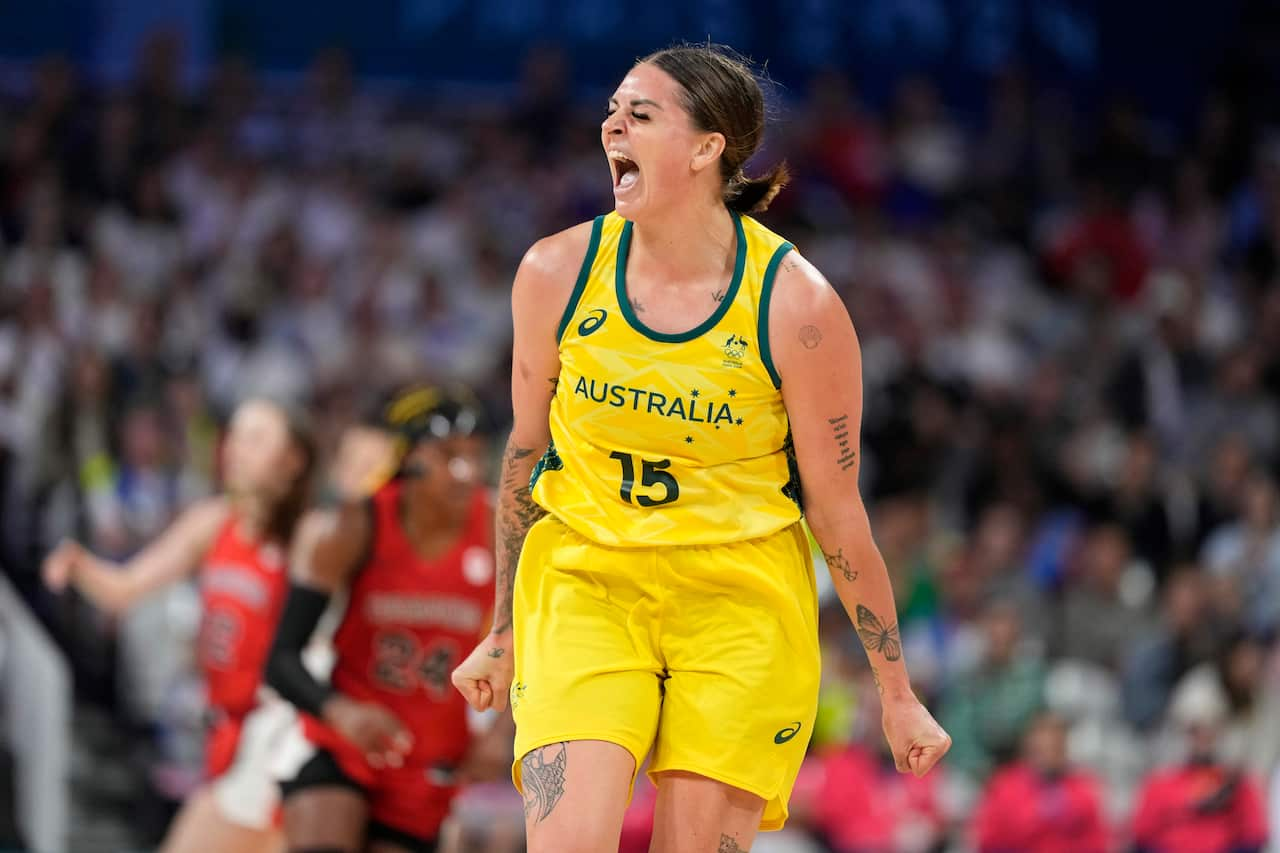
x: 1056, y: 226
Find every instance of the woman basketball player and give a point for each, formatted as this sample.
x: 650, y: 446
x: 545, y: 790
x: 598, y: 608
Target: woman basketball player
x: 374, y: 763
x: 238, y: 542
x: 699, y: 386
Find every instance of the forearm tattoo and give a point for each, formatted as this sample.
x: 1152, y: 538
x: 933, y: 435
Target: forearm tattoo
x: 516, y: 514
x: 729, y: 844
x: 837, y: 562
x: 840, y: 429
x: 878, y: 637
x: 542, y: 774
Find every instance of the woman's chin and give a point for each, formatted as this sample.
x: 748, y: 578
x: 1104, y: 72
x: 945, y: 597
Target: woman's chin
x: 629, y: 207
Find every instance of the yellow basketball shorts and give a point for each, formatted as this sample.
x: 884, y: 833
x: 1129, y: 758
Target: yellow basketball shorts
x: 706, y: 654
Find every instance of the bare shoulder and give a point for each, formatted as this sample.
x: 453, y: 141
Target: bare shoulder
x: 807, y: 318
x: 334, y: 525
x: 553, y: 262
x: 329, y: 542
x: 801, y: 291
x: 205, y: 517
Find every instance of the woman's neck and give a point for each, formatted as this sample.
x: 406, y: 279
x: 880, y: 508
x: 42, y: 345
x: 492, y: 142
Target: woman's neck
x: 688, y: 243
x: 253, y: 515
x: 430, y: 526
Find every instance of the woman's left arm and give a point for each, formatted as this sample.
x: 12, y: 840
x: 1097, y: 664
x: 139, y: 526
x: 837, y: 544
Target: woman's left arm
x: 816, y: 354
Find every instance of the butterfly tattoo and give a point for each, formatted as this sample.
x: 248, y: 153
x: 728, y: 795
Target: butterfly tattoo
x: 876, y: 636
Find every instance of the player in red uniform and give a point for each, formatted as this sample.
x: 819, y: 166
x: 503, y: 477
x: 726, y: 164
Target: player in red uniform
x: 376, y: 755
x: 238, y: 542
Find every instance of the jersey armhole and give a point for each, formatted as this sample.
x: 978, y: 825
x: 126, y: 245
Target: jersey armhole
x: 762, y: 318
x: 583, y: 275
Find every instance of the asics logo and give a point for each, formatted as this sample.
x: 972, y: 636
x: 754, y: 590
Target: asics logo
x: 594, y: 320
x: 788, y: 733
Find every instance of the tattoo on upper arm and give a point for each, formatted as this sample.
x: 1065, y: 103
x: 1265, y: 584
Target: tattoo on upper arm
x: 840, y: 429
x: 555, y: 384
x: 876, y: 636
x: 542, y: 774
x: 840, y: 564
x: 496, y: 653
x: 790, y: 264
x: 517, y: 513
x: 637, y: 305
x: 810, y: 336
x: 729, y: 844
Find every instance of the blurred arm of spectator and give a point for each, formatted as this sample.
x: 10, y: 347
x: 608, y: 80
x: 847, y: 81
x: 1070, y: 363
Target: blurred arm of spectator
x: 1147, y: 682
x: 116, y: 587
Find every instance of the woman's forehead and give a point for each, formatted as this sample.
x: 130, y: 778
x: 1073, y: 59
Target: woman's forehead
x: 645, y: 81
x: 255, y: 412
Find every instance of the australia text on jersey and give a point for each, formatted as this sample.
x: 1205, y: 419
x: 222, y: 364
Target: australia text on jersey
x: 655, y: 402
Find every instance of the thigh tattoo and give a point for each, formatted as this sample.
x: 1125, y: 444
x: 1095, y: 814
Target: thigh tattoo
x: 542, y: 772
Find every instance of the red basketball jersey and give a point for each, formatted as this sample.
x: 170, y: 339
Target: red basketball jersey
x: 243, y: 586
x: 411, y: 620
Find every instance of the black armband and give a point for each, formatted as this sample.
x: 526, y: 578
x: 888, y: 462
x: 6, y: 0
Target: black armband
x: 286, y: 673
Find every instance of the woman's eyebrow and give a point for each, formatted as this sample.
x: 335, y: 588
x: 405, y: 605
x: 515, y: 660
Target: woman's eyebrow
x: 636, y: 102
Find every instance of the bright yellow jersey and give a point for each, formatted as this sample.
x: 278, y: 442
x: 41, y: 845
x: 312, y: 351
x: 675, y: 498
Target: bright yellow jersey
x: 669, y: 439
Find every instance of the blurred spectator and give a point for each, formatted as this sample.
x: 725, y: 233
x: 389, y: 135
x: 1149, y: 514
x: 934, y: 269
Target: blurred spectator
x: 1202, y: 804
x: 1239, y: 680
x: 864, y: 804
x: 1040, y: 804
x: 844, y: 144
x: 1186, y: 634
x: 986, y: 710
x: 1142, y: 503
x: 1245, y: 554
x: 1095, y: 621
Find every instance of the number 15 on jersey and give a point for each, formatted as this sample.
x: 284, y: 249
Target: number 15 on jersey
x: 653, y: 474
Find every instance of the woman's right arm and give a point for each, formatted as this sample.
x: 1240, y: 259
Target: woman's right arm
x: 116, y: 587
x: 538, y: 299
x: 327, y: 549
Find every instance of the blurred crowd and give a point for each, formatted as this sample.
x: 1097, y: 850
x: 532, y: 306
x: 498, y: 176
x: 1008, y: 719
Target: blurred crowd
x: 1070, y: 323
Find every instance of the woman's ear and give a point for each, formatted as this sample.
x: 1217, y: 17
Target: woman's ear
x: 708, y: 151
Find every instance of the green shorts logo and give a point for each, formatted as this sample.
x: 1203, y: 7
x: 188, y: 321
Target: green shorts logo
x: 593, y: 321
x: 788, y: 733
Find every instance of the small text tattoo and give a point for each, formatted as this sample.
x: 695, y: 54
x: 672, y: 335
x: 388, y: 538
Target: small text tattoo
x: 542, y: 772
x: 810, y: 336
x: 555, y: 384
x: 876, y: 636
x: 790, y: 265
x: 637, y: 305
x: 497, y: 653
x: 841, y: 565
x: 840, y: 429
x: 729, y: 844
x: 875, y: 675
x: 718, y: 296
